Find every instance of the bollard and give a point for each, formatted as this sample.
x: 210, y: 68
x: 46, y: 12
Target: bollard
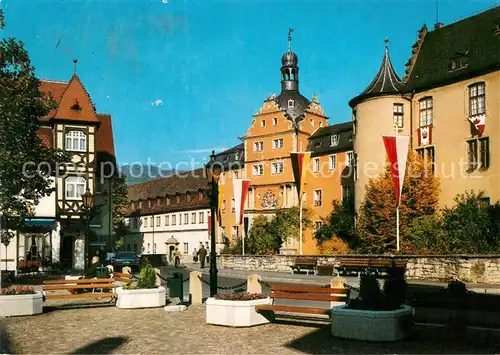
x: 126, y: 270
x: 337, y: 282
x: 111, y: 269
x: 195, y: 287
x: 158, y: 280
x: 253, y: 284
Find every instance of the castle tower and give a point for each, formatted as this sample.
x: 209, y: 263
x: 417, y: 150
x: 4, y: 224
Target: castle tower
x: 379, y: 109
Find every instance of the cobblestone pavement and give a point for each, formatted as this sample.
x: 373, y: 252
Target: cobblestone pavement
x: 95, y: 330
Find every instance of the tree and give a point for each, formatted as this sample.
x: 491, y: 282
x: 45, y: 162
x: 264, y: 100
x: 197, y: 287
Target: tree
x: 376, y: 227
x: 120, y: 204
x: 27, y: 166
x: 337, y: 231
x: 260, y: 237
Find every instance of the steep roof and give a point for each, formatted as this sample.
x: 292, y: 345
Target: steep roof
x: 300, y: 104
x: 386, y: 82
x: 105, y: 148
x: 321, y: 141
x: 56, y: 89
x: 457, y: 51
x: 232, y: 158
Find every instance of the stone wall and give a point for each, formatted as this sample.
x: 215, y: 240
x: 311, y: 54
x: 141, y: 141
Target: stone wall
x: 468, y: 268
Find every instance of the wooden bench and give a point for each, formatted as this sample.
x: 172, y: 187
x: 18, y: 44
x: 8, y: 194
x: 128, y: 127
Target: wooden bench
x: 379, y: 264
x: 303, y: 293
x: 304, y: 263
x: 74, y: 286
x: 121, y: 277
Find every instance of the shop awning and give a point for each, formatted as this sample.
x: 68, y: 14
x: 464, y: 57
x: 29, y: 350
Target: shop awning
x: 39, y: 222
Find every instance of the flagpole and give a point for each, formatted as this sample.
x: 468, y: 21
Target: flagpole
x: 300, y: 223
x: 243, y: 240
x: 397, y: 228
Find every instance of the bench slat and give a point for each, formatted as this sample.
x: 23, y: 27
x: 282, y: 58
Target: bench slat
x: 308, y: 289
x: 292, y: 309
x: 121, y: 274
x: 81, y: 295
x: 79, y: 281
x: 71, y: 287
x: 307, y: 296
x: 123, y: 279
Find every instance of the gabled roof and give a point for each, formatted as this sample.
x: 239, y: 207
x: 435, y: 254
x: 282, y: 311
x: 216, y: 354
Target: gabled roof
x: 457, y: 51
x: 386, y: 82
x: 105, y: 148
x: 321, y: 142
x: 228, y: 157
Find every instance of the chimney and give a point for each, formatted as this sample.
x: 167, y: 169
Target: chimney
x: 438, y: 25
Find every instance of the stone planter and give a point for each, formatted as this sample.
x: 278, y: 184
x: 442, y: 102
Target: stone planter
x: 372, y: 325
x: 21, y: 305
x: 141, y: 298
x: 235, y: 313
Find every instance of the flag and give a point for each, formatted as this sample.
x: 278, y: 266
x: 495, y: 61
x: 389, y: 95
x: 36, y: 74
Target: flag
x: 240, y: 191
x: 425, y: 135
x: 300, y: 162
x: 220, y: 199
x: 478, y: 122
x: 397, y: 153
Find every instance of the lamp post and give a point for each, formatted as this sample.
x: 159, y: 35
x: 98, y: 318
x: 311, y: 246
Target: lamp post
x: 88, y: 203
x: 213, y: 171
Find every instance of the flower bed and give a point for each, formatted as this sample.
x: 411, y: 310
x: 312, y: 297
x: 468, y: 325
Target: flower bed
x: 20, y: 301
x: 236, y: 309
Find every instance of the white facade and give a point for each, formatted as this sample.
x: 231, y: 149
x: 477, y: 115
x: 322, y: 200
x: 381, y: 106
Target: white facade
x: 163, y: 232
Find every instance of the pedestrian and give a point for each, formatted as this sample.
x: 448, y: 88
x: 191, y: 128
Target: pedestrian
x: 102, y: 256
x: 202, y: 253
x: 195, y: 255
x: 177, y: 256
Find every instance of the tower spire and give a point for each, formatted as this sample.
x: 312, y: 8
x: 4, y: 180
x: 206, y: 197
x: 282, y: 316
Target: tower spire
x: 290, y: 30
x: 74, y: 65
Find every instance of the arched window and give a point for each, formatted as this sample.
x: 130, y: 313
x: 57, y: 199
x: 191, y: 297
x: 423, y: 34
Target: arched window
x: 75, y: 187
x: 76, y: 141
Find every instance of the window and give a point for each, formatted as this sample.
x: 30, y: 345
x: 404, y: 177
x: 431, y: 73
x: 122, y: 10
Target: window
x: 478, y: 153
x: 133, y: 206
x: 428, y: 155
x: 145, y: 222
x: 275, y: 121
x: 425, y: 111
x: 186, y: 218
x: 317, y: 197
x: 186, y: 248
x: 472, y: 154
x: 332, y: 162
x: 278, y: 143
x: 263, y: 123
x: 152, y: 220
x: 223, y: 205
x: 158, y: 221
x: 222, y: 179
x: 258, y: 169
x: 154, y: 248
x: 149, y: 248
x: 258, y: 146
x: 178, y: 199
x: 321, y: 123
x: 140, y: 204
x: 477, y: 99
x: 484, y: 150
x: 319, y: 144
x: 188, y: 198
x: 180, y: 218
x: 334, y: 140
x: 317, y: 225
x: 167, y: 220
x: 168, y: 201
x: 316, y: 165
x: 149, y: 203
x: 398, y: 117
x: 76, y: 141
x: 75, y: 187
x: 278, y: 167
x: 201, y: 218
x: 291, y: 103
x: 312, y: 122
x: 236, y: 174
x: 193, y: 218
x: 233, y: 204
x: 237, y: 156
x: 235, y: 231
x: 174, y: 219
x: 200, y: 196
x: 349, y: 157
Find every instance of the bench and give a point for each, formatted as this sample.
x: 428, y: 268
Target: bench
x: 78, y: 288
x: 379, y: 264
x: 122, y: 277
x: 302, y: 293
x: 304, y: 263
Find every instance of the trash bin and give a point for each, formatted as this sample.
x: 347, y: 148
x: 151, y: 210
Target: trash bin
x: 102, y: 272
x: 174, y: 285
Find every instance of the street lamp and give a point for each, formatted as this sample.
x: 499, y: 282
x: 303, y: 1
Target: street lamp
x: 88, y: 203
x: 213, y: 171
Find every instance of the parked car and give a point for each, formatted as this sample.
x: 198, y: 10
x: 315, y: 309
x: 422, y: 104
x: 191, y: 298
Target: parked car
x: 126, y: 258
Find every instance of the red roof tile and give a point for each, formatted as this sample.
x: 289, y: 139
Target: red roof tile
x: 56, y: 89
x: 104, y: 135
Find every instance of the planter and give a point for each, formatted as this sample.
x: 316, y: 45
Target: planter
x: 21, y: 305
x: 141, y: 298
x: 235, y: 313
x: 372, y: 325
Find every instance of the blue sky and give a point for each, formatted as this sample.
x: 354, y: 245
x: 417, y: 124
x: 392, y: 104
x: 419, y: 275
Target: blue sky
x: 183, y: 77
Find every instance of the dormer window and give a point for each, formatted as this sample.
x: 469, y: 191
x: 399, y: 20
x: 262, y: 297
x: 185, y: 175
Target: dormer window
x: 319, y: 144
x: 291, y: 103
x: 140, y: 204
x: 178, y: 199
x: 149, y: 203
x: 167, y: 201
x: 334, y: 140
x: 237, y: 156
x: 133, y: 206
x: 200, y: 196
x: 188, y: 198
x: 76, y: 106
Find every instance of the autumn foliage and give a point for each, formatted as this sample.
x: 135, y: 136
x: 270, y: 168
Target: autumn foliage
x: 376, y: 225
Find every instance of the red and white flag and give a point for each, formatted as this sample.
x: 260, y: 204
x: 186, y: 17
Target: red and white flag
x: 425, y: 135
x: 240, y: 191
x: 397, y: 153
x: 478, y: 122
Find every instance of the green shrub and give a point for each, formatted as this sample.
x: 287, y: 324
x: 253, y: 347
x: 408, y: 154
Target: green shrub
x: 147, y: 277
x: 425, y: 235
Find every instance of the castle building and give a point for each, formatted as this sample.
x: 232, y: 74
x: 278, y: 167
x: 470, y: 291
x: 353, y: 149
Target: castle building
x: 448, y: 102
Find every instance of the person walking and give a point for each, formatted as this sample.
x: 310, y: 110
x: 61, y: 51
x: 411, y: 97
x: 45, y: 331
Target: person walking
x: 195, y: 255
x: 177, y: 256
x: 202, y: 253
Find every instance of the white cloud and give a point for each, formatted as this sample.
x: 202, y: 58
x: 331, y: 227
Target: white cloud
x: 157, y: 102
